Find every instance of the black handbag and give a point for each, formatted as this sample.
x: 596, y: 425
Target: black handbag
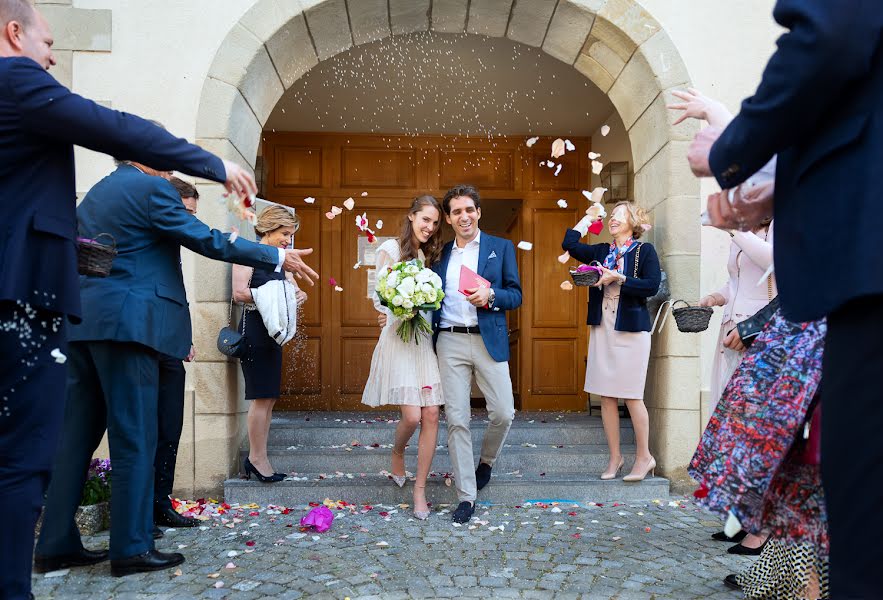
x: 751, y: 327
x: 230, y: 341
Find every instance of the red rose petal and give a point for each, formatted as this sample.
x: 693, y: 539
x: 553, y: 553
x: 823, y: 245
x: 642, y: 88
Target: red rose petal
x: 250, y: 543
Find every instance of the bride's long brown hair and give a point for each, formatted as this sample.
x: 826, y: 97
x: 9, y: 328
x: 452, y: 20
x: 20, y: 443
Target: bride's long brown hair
x: 433, y: 246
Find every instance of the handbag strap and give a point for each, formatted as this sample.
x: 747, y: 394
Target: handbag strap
x: 230, y: 313
x: 637, y: 258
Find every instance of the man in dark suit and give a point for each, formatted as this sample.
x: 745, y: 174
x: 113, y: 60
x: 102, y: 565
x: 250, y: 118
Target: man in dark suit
x: 170, y: 411
x: 472, y: 337
x: 819, y: 107
x: 40, y: 121
x: 130, y: 318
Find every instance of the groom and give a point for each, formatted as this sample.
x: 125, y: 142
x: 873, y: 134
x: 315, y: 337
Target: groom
x: 472, y: 337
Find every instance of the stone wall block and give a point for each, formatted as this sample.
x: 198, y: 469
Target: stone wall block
x: 79, y: 28
x: 329, y: 28
x: 654, y: 129
x: 666, y: 174
x: 292, y: 51
x: 409, y: 16
x: 449, y: 16
x: 529, y: 20
x: 208, y: 319
x: 224, y: 114
x: 596, y: 73
x: 369, y: 20
x: 217, y: 445
x: 489, y: 17
x: 674, y: 435
x: 216, y: 387
x: 569, y: 29
x: 266, y: 17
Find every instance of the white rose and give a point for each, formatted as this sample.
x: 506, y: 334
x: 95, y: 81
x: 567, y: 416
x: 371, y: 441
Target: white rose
x: 407, y: 286
x: 407, y: 304
x: 424, y: 276
x: 397, y: 301
x: 427, y: 287
x: 431, y: 295
x: 412, y: 269
x: 392, y: 279
x: 436, y: 281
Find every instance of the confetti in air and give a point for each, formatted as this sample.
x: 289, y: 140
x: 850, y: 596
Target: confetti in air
x: 558, y: 169
x: 594, y: 155
x: 568, y: 145
x: 349, y: 203
x: 531, y: 141
x: 564, y: 258
x: 364, y: 194
x: 597, y: 167
x: 605, y: 130
x: 59, y: 357
x: 562, y: 203
x: 336, y: 210
x: 309, y: 199
x: 522, y: 245
x: 558, y: 148
x: 379, y: 224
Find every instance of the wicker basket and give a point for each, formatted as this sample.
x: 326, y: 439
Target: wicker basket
x: 587, y: 277
x: 94, y: 258
x: 691, y: 319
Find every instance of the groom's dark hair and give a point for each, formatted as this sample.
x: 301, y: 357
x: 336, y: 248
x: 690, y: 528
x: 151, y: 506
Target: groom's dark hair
x: 456, y: 192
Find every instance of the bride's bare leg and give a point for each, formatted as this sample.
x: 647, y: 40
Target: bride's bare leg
x: 425, y: 453
x: 404, y: 430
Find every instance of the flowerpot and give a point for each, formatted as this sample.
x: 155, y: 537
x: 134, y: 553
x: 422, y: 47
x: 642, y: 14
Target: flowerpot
x: 93, y: 518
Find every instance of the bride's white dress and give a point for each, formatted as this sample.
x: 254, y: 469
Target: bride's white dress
x: 401, y: 372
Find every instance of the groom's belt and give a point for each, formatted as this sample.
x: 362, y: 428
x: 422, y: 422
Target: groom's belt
x: 457, y: 329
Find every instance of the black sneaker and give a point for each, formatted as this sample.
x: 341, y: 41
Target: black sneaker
x: 463, y: 513
x: 482, y: 475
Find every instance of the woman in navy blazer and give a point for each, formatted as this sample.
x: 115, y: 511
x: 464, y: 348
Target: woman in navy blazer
x: 619, y: 344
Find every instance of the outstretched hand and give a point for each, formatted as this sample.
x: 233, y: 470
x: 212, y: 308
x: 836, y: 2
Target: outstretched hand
x: 695, y: 105
x: 295, y: 264
x: 239, y: 181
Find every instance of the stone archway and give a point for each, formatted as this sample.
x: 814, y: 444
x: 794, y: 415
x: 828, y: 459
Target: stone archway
x: 616, y: 44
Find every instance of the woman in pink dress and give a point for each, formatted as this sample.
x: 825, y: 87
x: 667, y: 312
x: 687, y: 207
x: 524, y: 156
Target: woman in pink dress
x: 619, y: 342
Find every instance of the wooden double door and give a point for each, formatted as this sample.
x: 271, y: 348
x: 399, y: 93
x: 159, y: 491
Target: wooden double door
x: 326, y: 368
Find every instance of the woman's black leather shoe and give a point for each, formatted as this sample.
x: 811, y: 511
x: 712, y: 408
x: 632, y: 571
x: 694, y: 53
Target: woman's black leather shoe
x: 745, y: 551
x: 83, y: 558
x: 720, y: 536
x: 149, y: 561
x: 250, y: 469
x: 730, y: 582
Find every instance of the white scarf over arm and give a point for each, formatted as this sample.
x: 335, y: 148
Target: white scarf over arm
x: 276, y: 300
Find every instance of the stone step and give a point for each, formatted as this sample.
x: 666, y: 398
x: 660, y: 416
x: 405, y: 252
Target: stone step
x: 332, y: 429
x: 580, y: 458
x: 507, y: 490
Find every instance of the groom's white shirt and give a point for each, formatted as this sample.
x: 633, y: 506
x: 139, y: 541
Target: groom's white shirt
x: 455, y: 309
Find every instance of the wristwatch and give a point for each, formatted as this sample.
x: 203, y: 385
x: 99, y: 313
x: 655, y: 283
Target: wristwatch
x: 490, y: 298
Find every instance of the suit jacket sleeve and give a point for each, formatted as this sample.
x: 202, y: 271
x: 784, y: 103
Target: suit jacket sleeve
x: 584, y: 253
x: 508, y: 297
x: 49, y: 109
x: 650, y: 275
x: 828, y: 46
x: 170, y: 219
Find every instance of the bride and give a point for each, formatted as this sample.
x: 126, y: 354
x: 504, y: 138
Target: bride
x: 405, y: 374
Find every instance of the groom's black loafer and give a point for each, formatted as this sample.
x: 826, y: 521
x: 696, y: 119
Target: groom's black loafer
x: 463, y: 513
x: 482, y: 475
x: 142, y: 563
x: 83, y: 558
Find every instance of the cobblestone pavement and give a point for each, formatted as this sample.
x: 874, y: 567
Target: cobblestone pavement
x: 638, y: 550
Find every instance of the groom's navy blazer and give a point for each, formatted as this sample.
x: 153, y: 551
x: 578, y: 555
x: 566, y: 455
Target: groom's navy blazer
x: 143, y: 298
x: 497, y: 264
x: 40, y: 121
x: 820, y: 107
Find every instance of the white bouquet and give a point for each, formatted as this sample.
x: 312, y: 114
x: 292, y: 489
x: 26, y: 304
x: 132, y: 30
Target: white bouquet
x: 406, y: 288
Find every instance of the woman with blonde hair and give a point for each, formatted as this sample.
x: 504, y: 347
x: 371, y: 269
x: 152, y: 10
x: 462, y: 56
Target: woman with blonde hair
x: 406, y: 373
x: 619, y: 343
x: 261, y: 356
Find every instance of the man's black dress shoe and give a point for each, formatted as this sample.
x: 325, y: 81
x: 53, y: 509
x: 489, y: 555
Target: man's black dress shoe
x: 720, y: 536
x: 83, y: 558
x: 463, y: 513
x: 482, y: 475
x: 169, y: 517
x: 745, y: 551
x: 157, y: 532
x: 730, y: 582
x: 141, y: 563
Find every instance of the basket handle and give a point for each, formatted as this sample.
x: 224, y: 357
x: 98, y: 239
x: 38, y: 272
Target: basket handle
x: 664, y: 316
x: 113, y: 241
x: 595, y: 263
x: 684, y: 301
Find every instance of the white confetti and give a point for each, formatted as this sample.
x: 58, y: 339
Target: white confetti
x: 605, y: 130
x: 364, y: 194
x: 569, y: 145
x: 357, y: 265
x: 593, y: 155
x: 336, y: 210
x: 558, y: 169
x: 525, y: 245
x: 309, y: 199
x: 233, y: 237
x: 219, y: 584
x: 58, y: 573
x: 379, y: 224
x: 564, y: 258
x: 562, y: 203
x: 337, y: 288
x: 232, y: 553
x: 597, y: 167
x: 550, y: 164
x: 382, y: 544
x: 349, y: 203
x: 558, y: 148
x: 555, y: 509
x: 531, y: 141
x: 59, y: 356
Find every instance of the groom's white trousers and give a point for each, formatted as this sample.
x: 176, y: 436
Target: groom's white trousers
x: 459, y: 356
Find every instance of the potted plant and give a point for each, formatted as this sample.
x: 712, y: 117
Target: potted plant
x: 93, y: 515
